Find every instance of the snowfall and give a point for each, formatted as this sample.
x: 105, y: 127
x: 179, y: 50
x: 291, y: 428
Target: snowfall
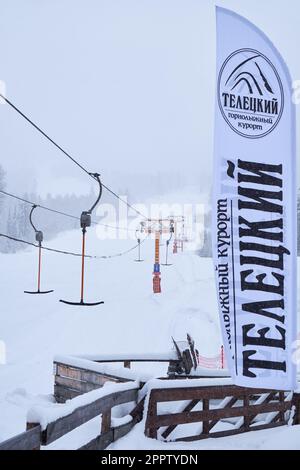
x: 35, y: 329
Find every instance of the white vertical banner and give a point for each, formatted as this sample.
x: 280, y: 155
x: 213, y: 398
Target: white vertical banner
x: 254, y: 206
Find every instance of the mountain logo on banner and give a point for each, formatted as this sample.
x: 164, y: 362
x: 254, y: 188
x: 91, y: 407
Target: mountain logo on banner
x: 250, y: 94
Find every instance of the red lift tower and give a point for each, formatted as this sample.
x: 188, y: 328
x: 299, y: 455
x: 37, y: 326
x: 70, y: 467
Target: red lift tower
x: 158, y: 227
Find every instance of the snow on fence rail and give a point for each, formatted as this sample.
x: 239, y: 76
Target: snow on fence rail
x: 46, y: 424
x: 214, y: 363
x: 215, y: 406
x: 216, y: 411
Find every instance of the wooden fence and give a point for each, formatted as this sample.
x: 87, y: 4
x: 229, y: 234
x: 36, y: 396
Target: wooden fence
x: 242, y: 409
x: 35, y: 437
x: 28, y: 440
x: 208, y: 407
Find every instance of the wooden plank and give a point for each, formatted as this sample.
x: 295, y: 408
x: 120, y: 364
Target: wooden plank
x: 296, y: 404
x: 29, y: 427
x: 67, y: 371
x: 106, y: 422
x: 62, y: 394
x: 205, y: 425
x: 190, y: 406
x: 272, y: 396
x: 151, y: 431
x: 281, y: 413
x: 85, y: 375
x: 78, y: 385
x: 193, y: 393
x: 129, y: 359
x: 173, y: 376
x: 123, y: 358
x: 28, y: 440
x: 100, y: 442
x: 200, y: 416
x: 85, y: 413
x: 267, y: 426
x: 231, y: 403
x: 103, y: 441
x: 247, y: 417
x: 277, y: 419
x: 121, y: 431
x: 137, y: 412
x: 200, y: 437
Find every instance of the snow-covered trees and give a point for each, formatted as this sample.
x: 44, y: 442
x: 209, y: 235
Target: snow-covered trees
x: 15, y: 216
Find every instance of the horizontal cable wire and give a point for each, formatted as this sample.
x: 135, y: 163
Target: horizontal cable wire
x: 65, y: 214
x: 63, y: 252
x: 67, y: 154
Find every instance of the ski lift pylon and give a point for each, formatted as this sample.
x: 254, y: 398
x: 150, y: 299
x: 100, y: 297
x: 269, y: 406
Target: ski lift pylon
x: 85, y: 222
x: 168, y: 243
x: 39, y: 238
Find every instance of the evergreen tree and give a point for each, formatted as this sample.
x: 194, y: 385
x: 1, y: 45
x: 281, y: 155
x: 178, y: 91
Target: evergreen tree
x: 10, y: 246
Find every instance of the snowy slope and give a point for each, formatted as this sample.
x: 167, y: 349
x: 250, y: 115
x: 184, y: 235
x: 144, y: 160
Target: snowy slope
x: 133, y: 319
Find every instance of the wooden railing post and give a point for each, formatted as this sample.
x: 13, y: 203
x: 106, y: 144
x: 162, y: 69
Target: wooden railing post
x: 205, y: 428
x: 282, y: 413
x: 151, y: 430
x: 30, y: 426
x: 247, y: 416
x: 296, y: 404
x: 106, y: 422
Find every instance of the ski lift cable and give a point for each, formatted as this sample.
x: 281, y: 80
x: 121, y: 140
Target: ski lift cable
x: 65, y: 214
x: 24, y: 116
x: 124, y: 202
x: 25, y: 242
x: 63, y: 252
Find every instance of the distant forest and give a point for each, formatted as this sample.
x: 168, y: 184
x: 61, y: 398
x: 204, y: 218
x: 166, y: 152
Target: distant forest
x: 14, y: 218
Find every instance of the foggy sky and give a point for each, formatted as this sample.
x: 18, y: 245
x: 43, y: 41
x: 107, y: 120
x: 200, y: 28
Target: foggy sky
x: 124, y: 85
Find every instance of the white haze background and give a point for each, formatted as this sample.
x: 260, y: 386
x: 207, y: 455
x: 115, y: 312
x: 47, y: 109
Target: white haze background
x: 127, y: 86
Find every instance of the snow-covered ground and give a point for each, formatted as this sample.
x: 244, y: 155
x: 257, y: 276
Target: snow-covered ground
x: 133, y: 319
x: 284, y: 438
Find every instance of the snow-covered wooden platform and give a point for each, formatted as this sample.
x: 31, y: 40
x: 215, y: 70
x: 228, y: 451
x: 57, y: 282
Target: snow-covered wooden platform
x: 209, y: 407
x: 188, y: 408
x: 75, y: 375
